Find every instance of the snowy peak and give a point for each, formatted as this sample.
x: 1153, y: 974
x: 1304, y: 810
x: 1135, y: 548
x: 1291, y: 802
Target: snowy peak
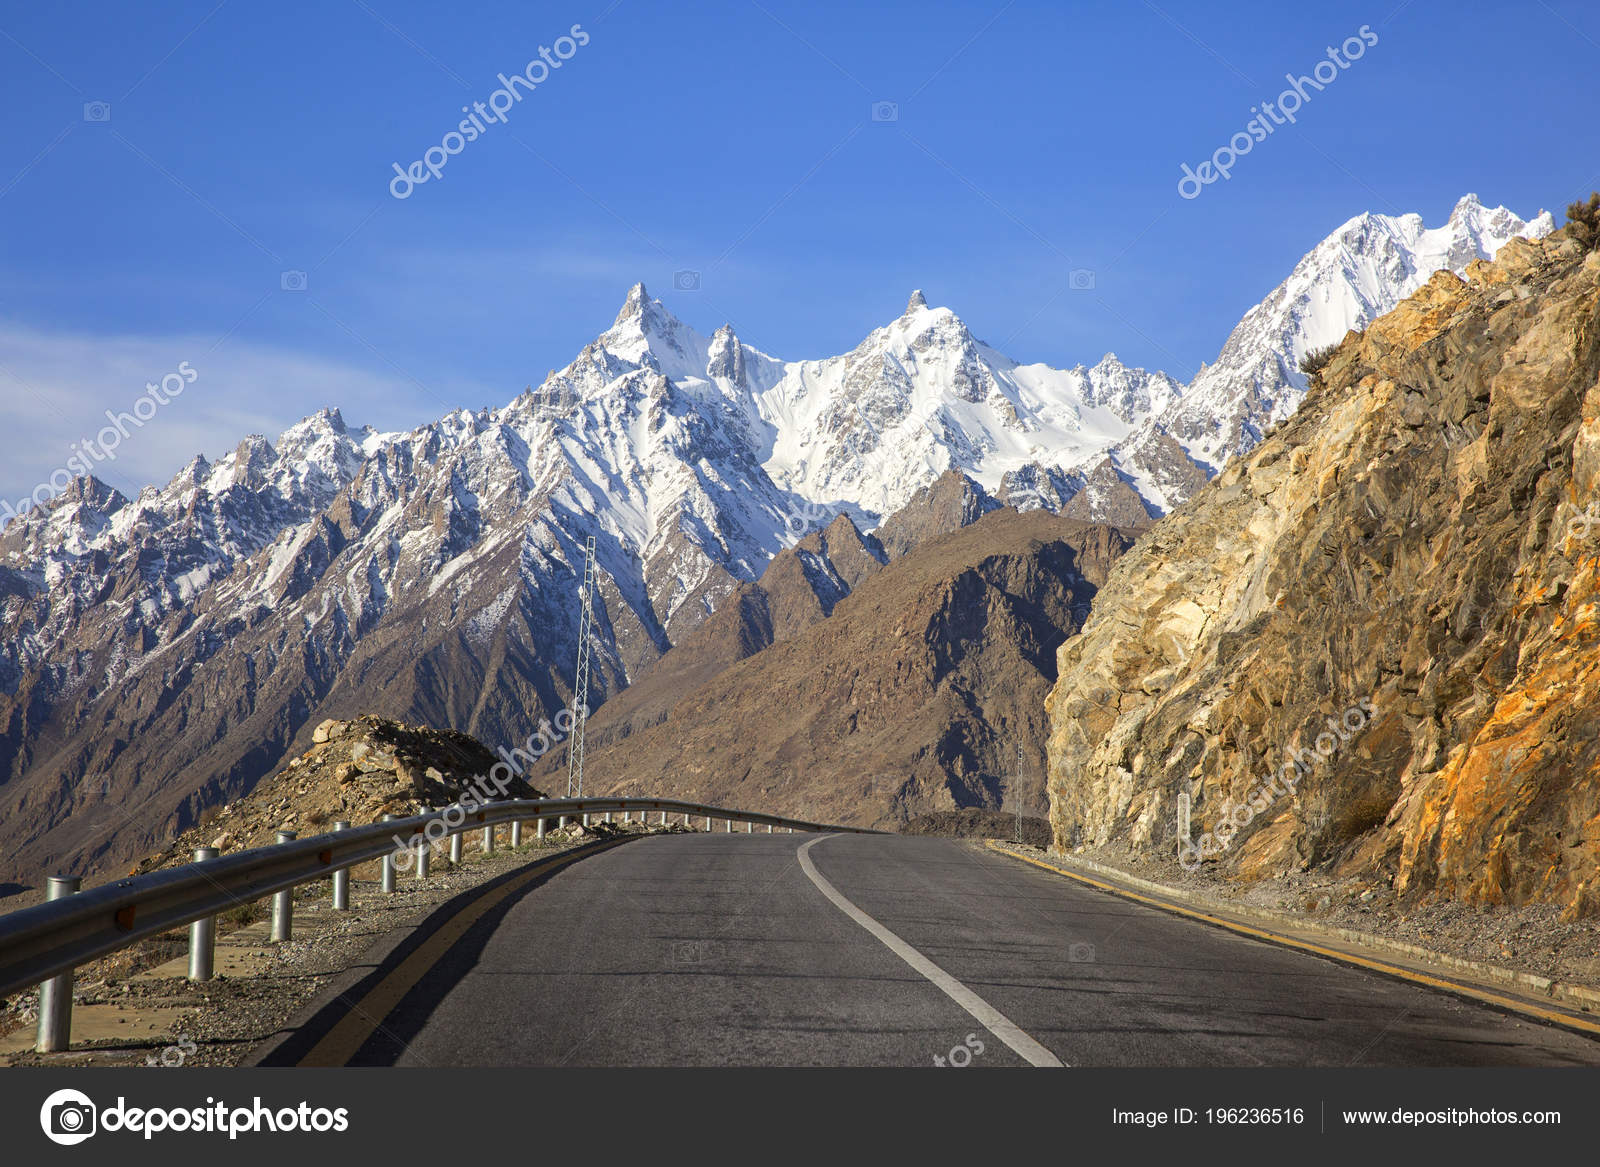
x: 1495, y: 227
x: 328, y: 419
x: 1360, y: 271
x: 634, y: 306
x: 646, y: 336
x: 642, y: 318
x: 921, y: 396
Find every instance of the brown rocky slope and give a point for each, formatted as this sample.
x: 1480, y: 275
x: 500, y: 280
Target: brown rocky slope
x: 800, y: 587
x: 1413, y: 538
x: 357, y: 771
x: 912, y: 696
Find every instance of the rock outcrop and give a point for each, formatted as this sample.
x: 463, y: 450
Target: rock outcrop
x: 357, y: 771
x: 1373, y: 644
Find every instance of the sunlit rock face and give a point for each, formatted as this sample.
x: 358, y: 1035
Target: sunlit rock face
x: 1421, y: 540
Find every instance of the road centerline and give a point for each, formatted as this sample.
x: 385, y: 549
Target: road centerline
x: 986, y: 1014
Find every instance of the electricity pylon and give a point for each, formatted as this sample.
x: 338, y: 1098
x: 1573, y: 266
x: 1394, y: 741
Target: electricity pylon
x: 1017, y: 793
x: 580, y: 681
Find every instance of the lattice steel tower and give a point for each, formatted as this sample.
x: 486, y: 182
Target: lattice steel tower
x: 580, y: 680
x: 1017, y: 796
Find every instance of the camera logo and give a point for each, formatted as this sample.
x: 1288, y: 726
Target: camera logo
x: 1581, y: 526
x: 1081, y: 279
x: 686, y: 281
x: 292, y: 281
x: 97, y: 111
x: 885, y: 111
x: 697, y: 951
x: 68, y: 1117
x: 805, y: 518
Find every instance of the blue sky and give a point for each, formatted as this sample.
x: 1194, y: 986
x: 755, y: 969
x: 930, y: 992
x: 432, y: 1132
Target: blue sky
x: 733, y: 138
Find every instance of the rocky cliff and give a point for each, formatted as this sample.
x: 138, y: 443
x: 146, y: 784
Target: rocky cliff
x: 1372, y: 645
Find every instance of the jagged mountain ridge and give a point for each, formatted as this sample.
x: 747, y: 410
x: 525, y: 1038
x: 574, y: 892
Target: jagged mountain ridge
x: 429, y: 573
x: 1358, y: 273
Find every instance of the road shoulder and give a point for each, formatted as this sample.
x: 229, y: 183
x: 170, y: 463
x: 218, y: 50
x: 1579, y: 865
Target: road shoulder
x: 1523, y: 994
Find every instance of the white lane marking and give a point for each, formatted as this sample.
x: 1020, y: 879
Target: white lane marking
x: 987, y: 1015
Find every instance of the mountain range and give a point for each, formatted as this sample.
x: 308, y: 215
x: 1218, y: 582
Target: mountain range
x: 161, y: 654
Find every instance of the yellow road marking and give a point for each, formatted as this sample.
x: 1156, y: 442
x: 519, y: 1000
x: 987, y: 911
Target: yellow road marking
x: 356, y: 1027
x: 1511, y: 1003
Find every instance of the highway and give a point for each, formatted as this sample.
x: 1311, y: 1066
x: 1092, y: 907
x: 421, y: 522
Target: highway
x: 861, y: 950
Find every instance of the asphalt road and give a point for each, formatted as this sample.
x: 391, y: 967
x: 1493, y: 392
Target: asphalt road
x: 688, y: 950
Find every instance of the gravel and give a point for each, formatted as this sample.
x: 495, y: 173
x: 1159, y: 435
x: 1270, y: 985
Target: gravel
x: 1530, y: 939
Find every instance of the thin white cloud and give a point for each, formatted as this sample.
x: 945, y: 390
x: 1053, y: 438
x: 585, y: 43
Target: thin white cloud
x: 55, y: 389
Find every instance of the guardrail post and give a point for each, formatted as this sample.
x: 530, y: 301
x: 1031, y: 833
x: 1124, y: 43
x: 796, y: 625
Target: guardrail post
x: 424, y: 849
x: 561, y: 823
x: 769, y: 828
x: 516, y: 833
x: 341, y: 878
x: 663, y: 818
x: 488, y: 839
x: 608, y: 816
x: 538, y: 829
x: 749, y: 827
x: 283, y: 902
x: 203, y: 934
x: 388, y: 863
x: 55, y: 995
x: 729, y: 825
x: 586, y: 819
x: 455, y: 847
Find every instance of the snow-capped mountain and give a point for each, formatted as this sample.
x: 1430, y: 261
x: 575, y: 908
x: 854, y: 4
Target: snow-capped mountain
x: 1348, y: 280
x: 921, y: 395
x: 173, y: 646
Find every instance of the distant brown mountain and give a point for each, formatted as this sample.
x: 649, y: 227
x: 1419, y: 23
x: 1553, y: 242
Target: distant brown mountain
x: 908, y: 694
x: 799, y: 588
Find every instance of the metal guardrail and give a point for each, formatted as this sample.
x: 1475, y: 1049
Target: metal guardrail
x: 41, y: 945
